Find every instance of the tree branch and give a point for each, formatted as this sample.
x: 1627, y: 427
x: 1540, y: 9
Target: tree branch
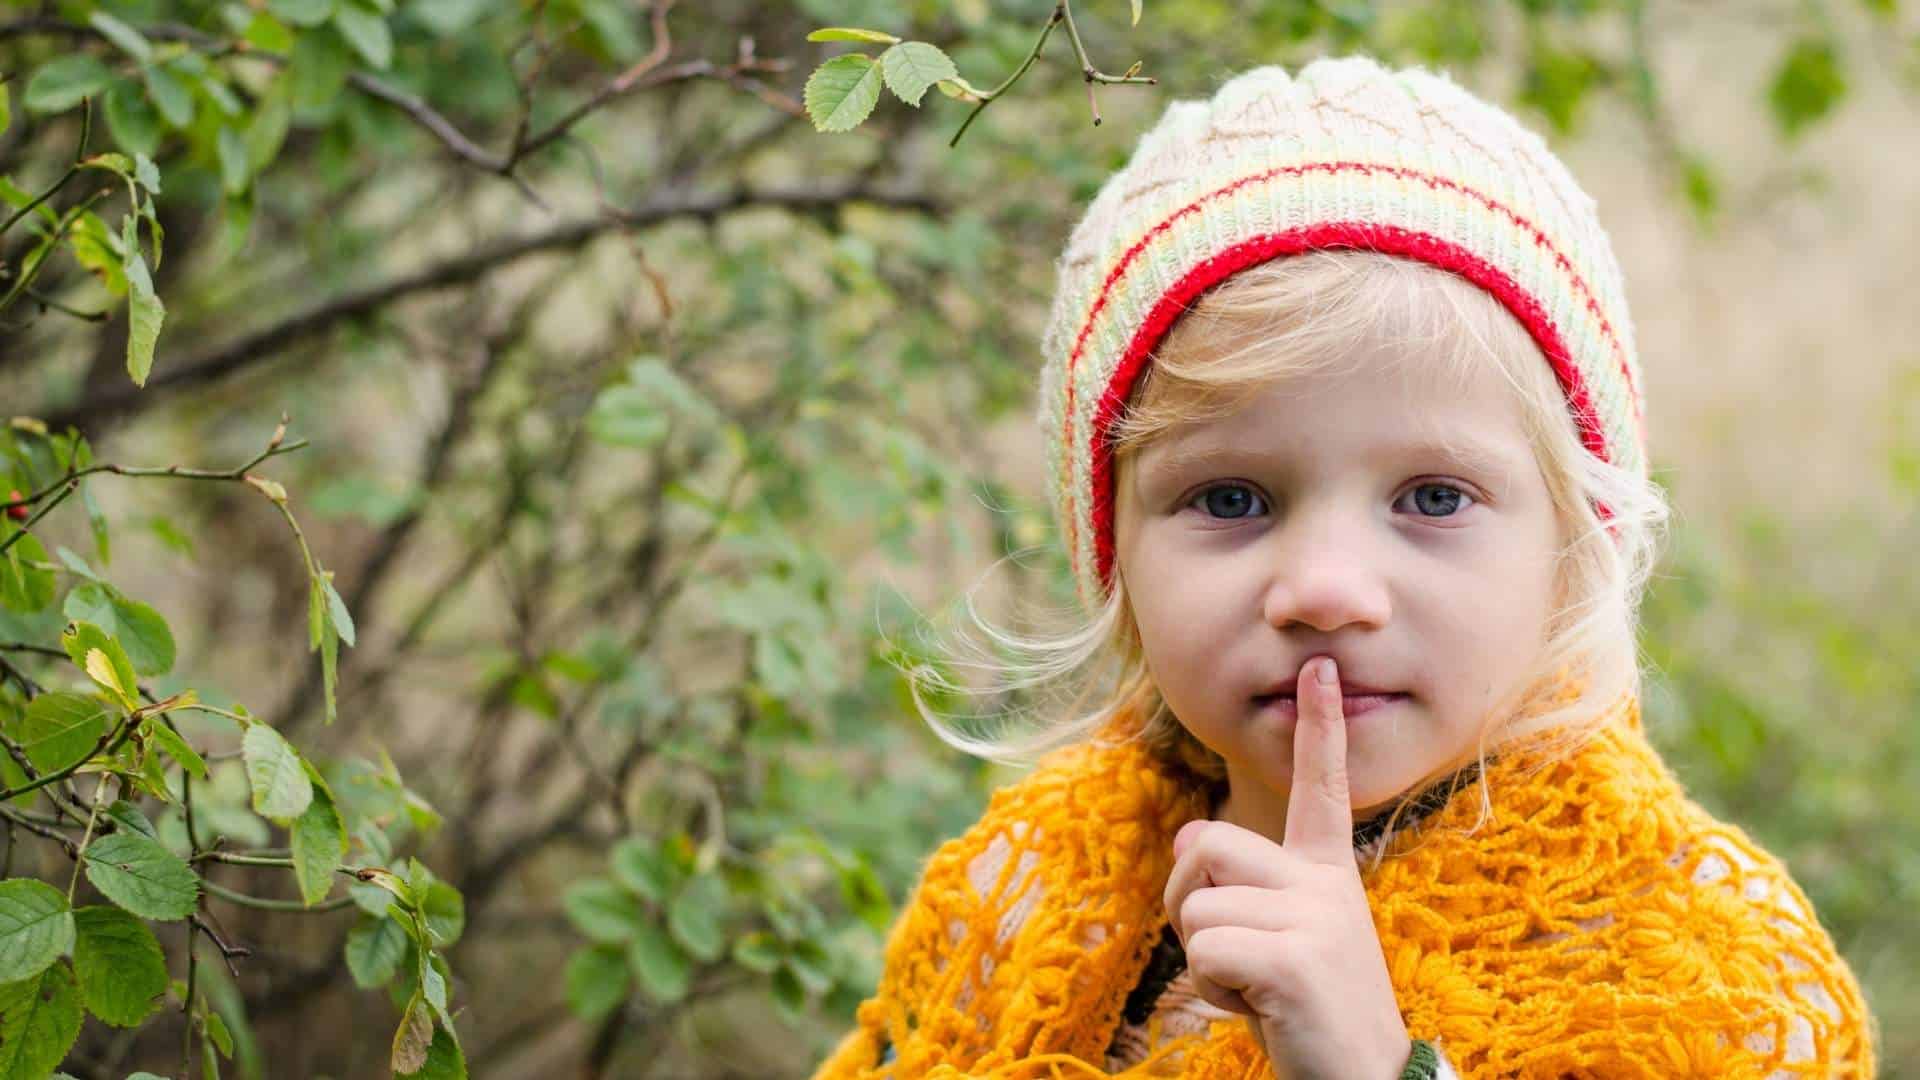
x: 267, y: 343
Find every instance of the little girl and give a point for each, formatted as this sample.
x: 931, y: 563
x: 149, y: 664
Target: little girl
x: 1347, y: 447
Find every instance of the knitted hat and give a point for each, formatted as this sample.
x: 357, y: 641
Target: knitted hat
x: 1346, y: 154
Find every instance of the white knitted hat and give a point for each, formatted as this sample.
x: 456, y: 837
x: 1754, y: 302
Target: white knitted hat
x: 1346, y: 154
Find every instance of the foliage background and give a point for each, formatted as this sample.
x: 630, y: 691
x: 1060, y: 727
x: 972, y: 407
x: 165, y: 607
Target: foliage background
x: 636, y: 458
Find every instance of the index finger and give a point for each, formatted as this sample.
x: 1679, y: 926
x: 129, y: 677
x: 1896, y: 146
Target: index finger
x: 1319, y: 806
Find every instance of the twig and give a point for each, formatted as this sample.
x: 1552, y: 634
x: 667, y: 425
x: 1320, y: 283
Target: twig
x: 16, y: 817
x: 60, y: 489
x: 1062, y: 12
x: 227, y: 952
x: 79, y: 155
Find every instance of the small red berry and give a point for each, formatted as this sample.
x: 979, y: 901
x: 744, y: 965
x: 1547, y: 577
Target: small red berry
x: 20, y: 512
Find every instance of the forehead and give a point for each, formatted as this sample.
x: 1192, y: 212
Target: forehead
x: 1382, y: 407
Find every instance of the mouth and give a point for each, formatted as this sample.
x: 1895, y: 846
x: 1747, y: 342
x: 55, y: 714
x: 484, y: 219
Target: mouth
x: 1351, y: 705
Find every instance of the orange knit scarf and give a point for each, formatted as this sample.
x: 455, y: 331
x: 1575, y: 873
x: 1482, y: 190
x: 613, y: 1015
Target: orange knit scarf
x: 1598, y: 924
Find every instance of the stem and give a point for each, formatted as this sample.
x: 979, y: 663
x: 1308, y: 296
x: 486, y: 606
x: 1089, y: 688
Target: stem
x: 79, y: 153
x: 58, y: 491
x: 266, y: 904
x: 988, y: 98
x: 92, y: 817
x: 243, y: 860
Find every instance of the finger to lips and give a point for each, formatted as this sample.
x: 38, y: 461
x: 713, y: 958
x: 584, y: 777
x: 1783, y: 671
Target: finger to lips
x: 1319, y: 808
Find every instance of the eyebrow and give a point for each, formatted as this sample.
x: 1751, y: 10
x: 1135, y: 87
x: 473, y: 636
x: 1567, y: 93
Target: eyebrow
x: 1472, y: 454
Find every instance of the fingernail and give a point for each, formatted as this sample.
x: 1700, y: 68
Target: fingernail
x: 1327, y: 674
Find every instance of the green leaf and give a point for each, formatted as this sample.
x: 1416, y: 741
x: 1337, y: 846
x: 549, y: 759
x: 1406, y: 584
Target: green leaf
x: 302, y: 12
x: 317, y: 70
x: 758, y: 951
x: 661, y: 967
x: 319, y: 840
x: 135, y: 872
x: 111, y: 669
x: 169, y: 95
x: 627, y: 416
x: 337, y: 611
x: 36, y: 926
x: 131, y: 119
x: 281, y: 789
x: 267, y: 131
x: 446, y: 17
x: 145, y: 314
x: 367, y: 32
x: 148, y: 174
x: 809, y: 964
x: 235, y: 169
x: 1807, y: 85
x: 175, y: 747
x: 64, y: 82
x: 789, y: 997
x: 842, y: 92
x: 597, y: 981
x: 445, y: 911
x: 912, y: 66
x: 60, y: 729
x: 376, y: 947
x: 217, y: 1032
x: 23, y: 587
x: 329, y: 665
x: 636, y: 865
x: 1557, y: 82
x: 849, y: 33
x: 263, y: 31
x: 603, y: 911
x: 131, y: 41
x: 139, y: 629
x: 695, y: 917
x: 128, y: 816
x: 39, y: 1020
x: 119, y: 964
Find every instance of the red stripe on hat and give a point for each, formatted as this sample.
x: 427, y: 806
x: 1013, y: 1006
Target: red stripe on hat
x: 1386, y: 239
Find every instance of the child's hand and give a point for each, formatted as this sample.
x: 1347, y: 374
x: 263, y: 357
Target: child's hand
x: 1282, y: 933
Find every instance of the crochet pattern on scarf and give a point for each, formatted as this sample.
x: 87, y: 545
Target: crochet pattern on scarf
x: 1596, y: 923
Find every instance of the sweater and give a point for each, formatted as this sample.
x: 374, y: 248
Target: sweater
x: 1596, y: 923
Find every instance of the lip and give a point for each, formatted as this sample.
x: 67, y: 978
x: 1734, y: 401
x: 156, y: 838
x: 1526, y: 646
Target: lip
x: 1348, y: 688
x: 1351, y: 705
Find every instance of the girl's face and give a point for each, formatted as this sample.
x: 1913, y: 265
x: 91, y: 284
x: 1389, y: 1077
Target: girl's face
x: 1400, y: 525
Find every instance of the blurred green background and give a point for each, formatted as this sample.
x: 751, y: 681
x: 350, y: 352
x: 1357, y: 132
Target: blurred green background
x: 647, y: 425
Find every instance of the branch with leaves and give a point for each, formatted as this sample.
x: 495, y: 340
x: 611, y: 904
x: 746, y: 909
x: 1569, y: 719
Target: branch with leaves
x: 843, y: 91
x: 104, y: 959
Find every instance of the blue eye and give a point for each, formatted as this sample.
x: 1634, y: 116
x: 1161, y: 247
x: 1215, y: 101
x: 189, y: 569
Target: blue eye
x: 1225, y: 508
x: 1449, y: 503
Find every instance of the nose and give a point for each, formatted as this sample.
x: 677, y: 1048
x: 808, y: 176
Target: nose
x: 1326, y: 574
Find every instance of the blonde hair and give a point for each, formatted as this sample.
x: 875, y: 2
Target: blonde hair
x: 1280, y: 320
